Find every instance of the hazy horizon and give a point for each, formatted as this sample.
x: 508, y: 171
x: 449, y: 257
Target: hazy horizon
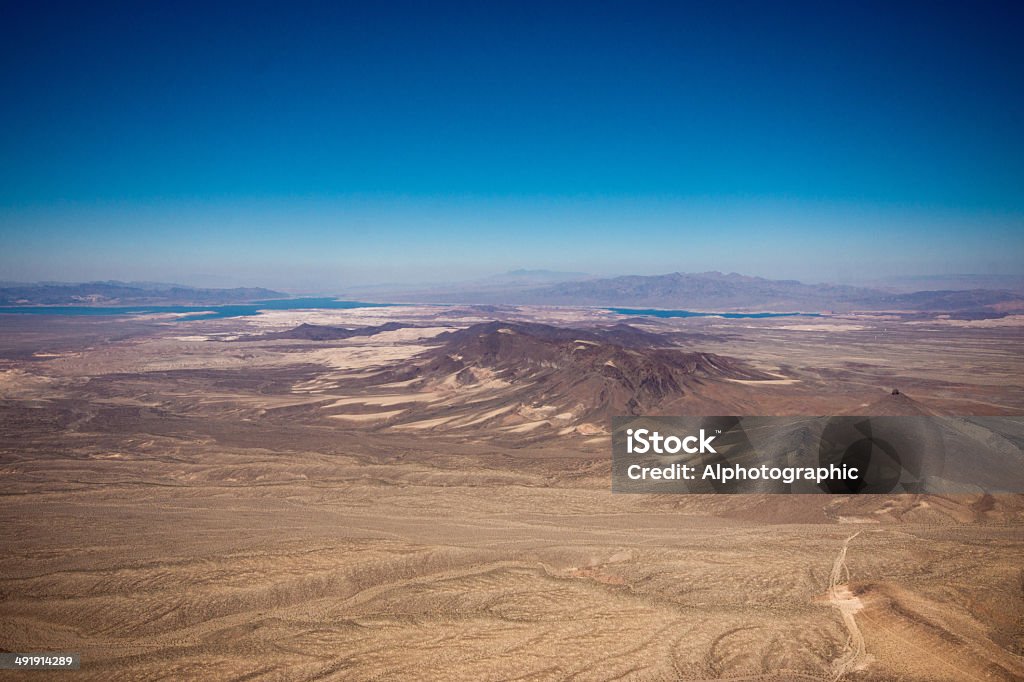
x: 536, y: 278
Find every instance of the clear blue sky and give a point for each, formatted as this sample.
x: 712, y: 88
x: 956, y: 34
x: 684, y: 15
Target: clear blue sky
x: 321, y: 145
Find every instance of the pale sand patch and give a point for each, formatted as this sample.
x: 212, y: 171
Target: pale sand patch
x: 491, y: 384
x: 313, y: 386
x: 168, y: 316
x: 410, y: 334
x: 483, y: 417
x: 135, y: 402
x: 538, y: 412
x: 400, y: 384
x: 363, y: 317
x: 203, y: 338
x: 18, y: 382
x: 856, y: 519
x: 12, y: 377
x: 485, y: 381
x: 423, y: 424
x: 869, y: 316
x: 825, y: 327
x: 357, y: 357
x: 385, y: 400
x: 374, y: 416
x: 765, y: 382
x: 523, y: 428
x: 451, y: 382
x: 1008, y: 321
x: 262, y: 401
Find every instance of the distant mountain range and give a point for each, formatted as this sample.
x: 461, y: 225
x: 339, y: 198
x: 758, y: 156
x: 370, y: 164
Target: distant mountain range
x: 718, y: 292
x: 705, y: 291
x: 126, y: 293
x: 911, y: 283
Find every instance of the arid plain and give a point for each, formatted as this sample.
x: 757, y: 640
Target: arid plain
x: 423, y: 492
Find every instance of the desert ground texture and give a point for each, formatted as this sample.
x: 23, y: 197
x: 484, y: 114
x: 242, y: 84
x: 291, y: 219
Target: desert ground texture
x: 425, y: 494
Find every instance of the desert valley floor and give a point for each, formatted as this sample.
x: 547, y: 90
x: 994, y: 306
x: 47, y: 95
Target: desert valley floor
x: 423, y: 492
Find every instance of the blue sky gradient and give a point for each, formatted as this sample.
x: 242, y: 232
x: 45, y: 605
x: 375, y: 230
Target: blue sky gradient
x: 314, y: 146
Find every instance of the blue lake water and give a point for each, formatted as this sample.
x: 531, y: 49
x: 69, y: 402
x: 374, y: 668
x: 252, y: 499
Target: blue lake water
x: 198, y: 312
x: 211, y: 312
x: 689, y: 313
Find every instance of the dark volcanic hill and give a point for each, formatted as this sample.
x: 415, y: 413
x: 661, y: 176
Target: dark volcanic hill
x: 593, y: 373
x: 316, y: 332
x: 619, y: 334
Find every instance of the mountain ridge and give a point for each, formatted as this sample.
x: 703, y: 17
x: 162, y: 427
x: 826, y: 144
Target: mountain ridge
x: 732, y: 292
x: 112, y: 292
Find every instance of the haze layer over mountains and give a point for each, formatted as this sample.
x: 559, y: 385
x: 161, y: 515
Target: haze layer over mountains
x: 715, y: 291
x: 707, y: 291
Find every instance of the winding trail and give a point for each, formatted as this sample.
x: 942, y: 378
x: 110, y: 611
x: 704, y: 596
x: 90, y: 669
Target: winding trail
x: 847, y: 604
